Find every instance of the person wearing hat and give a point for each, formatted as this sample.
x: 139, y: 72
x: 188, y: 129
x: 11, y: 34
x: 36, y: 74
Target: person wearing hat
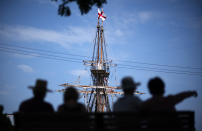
x: 129, y: 102
x: 37, y: 103
x: 160, y: 103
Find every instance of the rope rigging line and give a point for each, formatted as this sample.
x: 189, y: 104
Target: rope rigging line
x: 118, y: 60
x: 47, y: 55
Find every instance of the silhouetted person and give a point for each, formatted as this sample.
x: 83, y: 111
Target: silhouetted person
x: 160, y: 103
x: 37, y: 103
x: 71, y: 103
x: 5, y: 123
x: 129, y: 102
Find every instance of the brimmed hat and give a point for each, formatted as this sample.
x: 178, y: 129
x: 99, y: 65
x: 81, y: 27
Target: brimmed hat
x: 129, y: 83
x: 40, y: 86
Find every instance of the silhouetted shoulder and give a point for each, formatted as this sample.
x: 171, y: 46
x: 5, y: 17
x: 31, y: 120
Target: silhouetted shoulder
x: 162, y: 104
x: 127, y: 103
x: 171, y: 99
x: 24, y: 105
x: 32, y: 105
x: 72, y: 108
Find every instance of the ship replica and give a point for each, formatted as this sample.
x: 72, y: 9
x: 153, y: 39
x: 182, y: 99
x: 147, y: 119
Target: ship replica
x: 97, y: 96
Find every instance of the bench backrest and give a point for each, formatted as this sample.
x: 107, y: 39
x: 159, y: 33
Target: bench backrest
x: 181, y: 121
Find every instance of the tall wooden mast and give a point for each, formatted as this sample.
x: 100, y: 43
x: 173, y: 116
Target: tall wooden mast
x: 100, y: 74
x: 99, y: 101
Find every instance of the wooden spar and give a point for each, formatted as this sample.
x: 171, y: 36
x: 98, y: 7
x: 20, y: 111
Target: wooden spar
x: 86, y: 86
x: 107, y: 92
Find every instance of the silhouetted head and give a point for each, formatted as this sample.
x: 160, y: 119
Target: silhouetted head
x: 71, y: 94
x: 128, y: 85
x: 156, y: 86
x: 1, y: 109
x: 40, y: 89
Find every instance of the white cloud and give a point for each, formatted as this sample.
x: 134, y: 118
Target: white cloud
x: 50, y: 2
x: 126, y: 20
x: 79, y: 72
x: 121, y: 28
x: 118, y: 32
x: 2, y: 92
x: 25, y: 68
x: 5, y: 89
x: 72, y: 35
x: 144, y: 16
x: 44, y: 2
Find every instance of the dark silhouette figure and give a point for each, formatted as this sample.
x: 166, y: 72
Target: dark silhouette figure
x: 71, y: 103
x: 129, y: 102
x: 37, y: 103
x: 160, y: 103
x: 5, y: 123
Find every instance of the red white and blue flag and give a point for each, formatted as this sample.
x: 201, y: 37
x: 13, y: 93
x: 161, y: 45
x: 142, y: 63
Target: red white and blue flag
x: 101, y: 15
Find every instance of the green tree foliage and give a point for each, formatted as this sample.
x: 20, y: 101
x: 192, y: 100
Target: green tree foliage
x: 84, y: 6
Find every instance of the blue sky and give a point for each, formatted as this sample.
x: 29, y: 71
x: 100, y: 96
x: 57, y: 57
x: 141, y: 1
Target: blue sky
x: 143, y: 32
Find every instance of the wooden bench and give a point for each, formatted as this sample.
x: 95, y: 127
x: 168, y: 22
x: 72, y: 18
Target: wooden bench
x: 109, y: 121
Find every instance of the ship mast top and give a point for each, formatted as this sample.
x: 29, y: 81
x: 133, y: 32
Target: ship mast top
x: 99, y: 59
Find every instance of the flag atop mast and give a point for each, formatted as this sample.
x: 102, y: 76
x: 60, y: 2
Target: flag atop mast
x: 101, y: 15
